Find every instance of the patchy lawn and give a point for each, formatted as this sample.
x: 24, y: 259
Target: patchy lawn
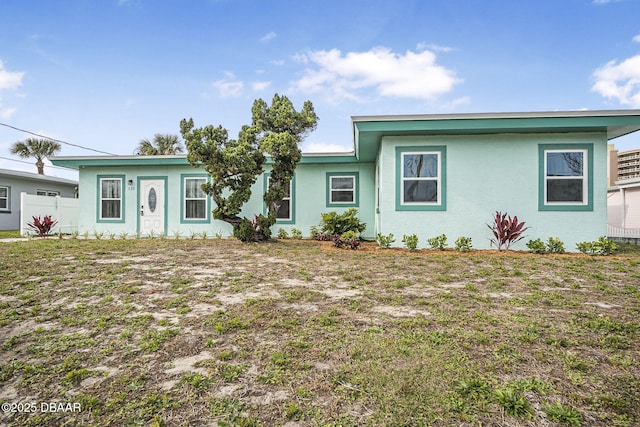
x: 205, y: 332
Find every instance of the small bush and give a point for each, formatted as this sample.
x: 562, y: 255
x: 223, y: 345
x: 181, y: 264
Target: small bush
x: 385, y: 241
x: 244, y: 231
x: 296, y: 234
x: 536, y: 246
x: 347, y: 240
x: 411, y: 242
x: 438, y: 242
x: 463, y: 244
x: 555, y: 245
x: 334, y: 223
x: 313, y: 232
x: 42, y: 226
x: 602, y: 246
x: 323, y: 237
x: 506, y: 230
x: 282, y: 234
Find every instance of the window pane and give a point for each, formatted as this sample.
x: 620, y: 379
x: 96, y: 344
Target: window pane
x: 342, y: 196
x: 564, y: 190
x: 420, y: 165
x: 193, y: 188
x: 342, y: 183
x: 3, y: 203
x: 283, y: 212
x: 196, y: 209
x: 420, y: 191
x: 564, y: 164
x: 110, y: 188
x: 3, y: 191
x: 111, y: 209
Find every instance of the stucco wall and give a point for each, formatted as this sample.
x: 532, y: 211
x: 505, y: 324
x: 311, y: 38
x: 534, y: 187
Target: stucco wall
x: 309, y: 199
x: 488, y: 173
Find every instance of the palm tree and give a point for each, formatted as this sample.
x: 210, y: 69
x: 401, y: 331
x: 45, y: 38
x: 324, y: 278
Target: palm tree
x: 35, y: 147
x: 162, y: 145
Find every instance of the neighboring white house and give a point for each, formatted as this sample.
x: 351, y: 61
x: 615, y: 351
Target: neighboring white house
x: 12, y: 183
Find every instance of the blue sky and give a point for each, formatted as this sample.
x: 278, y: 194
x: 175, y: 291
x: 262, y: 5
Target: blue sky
x: 105, y: 74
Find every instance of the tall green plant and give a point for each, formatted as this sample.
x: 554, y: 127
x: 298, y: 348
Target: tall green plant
x: 506, y: 230
x: 338, y: 224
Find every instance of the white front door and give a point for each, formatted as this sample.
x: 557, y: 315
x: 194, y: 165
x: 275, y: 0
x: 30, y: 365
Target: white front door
x: 151, y: 207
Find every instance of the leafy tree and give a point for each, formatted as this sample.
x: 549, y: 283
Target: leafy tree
x: 235, y: 164
x: 35, y: 147
x: 162, y: 144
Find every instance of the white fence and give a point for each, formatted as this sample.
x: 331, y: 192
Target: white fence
x: 62, y: 209
x: 624, y: 233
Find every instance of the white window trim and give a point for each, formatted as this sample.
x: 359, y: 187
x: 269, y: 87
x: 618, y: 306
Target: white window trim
x: 438, y: 179
x: 352, y: 190
x: 205, y: 198
x: 289, y: 198
x: 119, y: 217
x: 585, y: 174
x: 7, y: 198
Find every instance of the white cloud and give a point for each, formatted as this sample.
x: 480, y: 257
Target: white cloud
x: 636, y: 38
x: 620, y: 81
x: 259, y: 86
x: 410, y: 75
x: 268, y: 37
x: 10, y: 79
x: 604, y: 1
x: 229, y: 87
x: 434, y: 47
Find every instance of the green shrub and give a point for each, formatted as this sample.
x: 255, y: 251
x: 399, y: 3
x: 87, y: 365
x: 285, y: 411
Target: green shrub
x: 463, y: 244
x: 385, y: 241
x: 296, y: 234
x: 438, y: 242
x: 555, y: 245
x: 602, y: 246
x: 411, y: 241
x: 536, y: 246
x: 348, y: 240
x: 334, y: 223
x: 263, y: 224
x: 282, y: 234
x: 314, y: 232
x: 244, y: 231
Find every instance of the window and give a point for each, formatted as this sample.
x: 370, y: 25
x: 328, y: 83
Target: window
x: 420, y: 178
x: 4, y: 198
x: 566, y: 177
x: 195, y: 200
x: 285, y: 214
x: 110, y: 203
x: 342, y: 189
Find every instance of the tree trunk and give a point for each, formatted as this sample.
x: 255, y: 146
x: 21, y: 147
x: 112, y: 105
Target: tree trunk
x: 40, y: 166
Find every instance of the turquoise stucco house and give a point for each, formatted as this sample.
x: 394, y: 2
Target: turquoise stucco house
x: 422, y: 174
